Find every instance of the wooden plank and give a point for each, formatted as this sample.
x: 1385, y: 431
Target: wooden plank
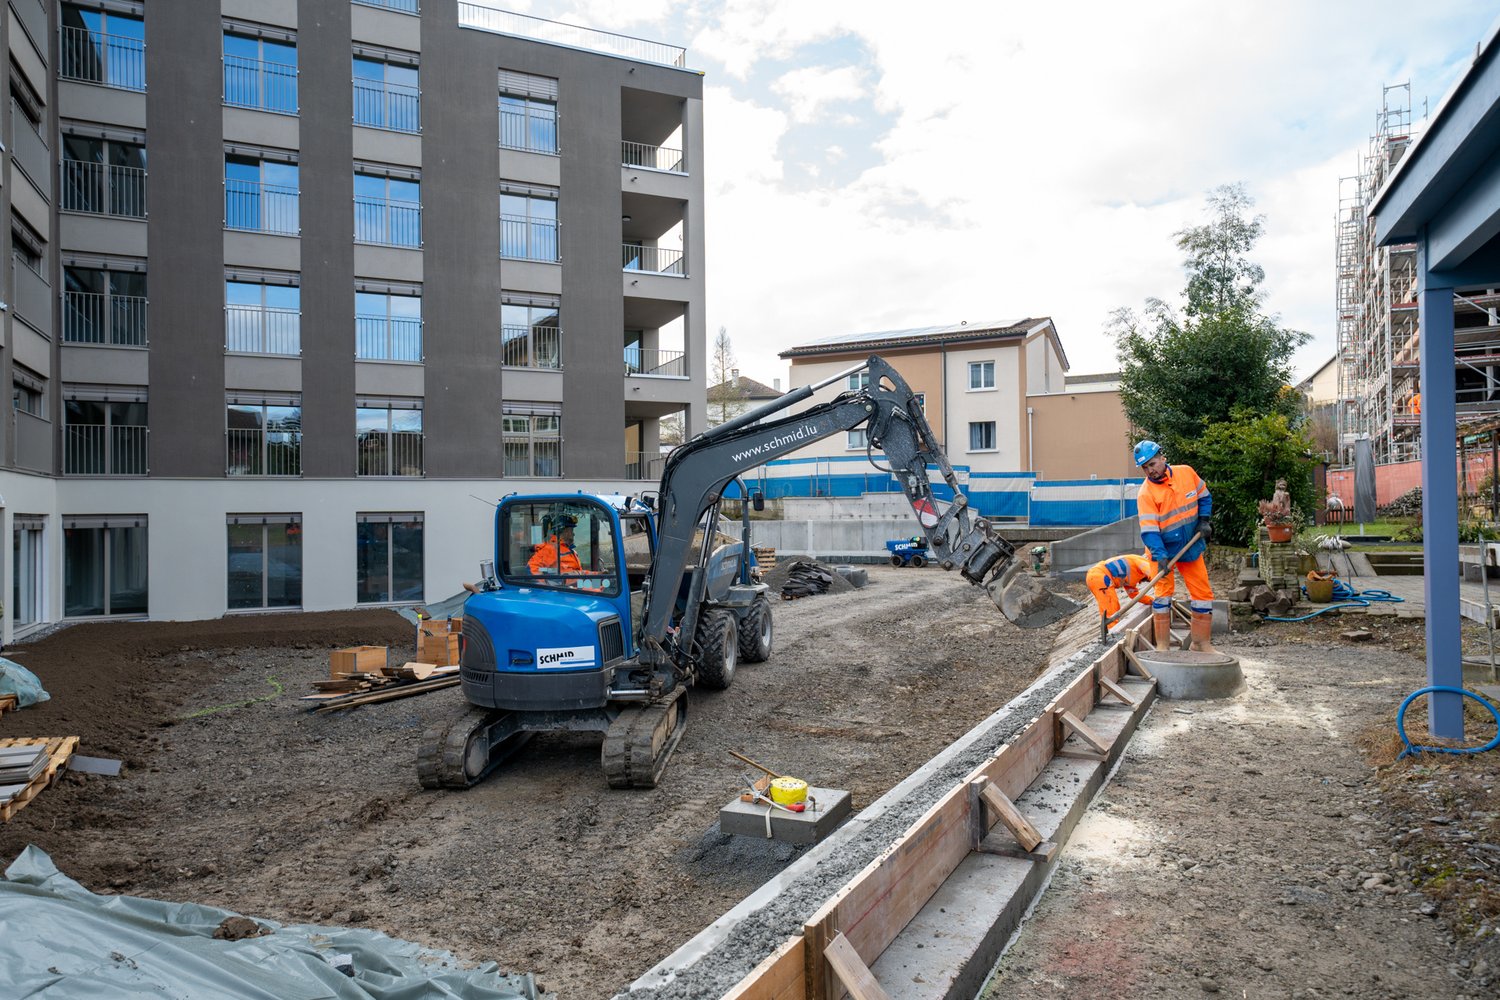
x: 1135, y: 661
x: 777, y: 977
x: 852, y: 973
x: 1082, y: 730
x: 1115, y: 689
x: 1006, y: 810
x: 1043, y: 852
x: 388, y: 693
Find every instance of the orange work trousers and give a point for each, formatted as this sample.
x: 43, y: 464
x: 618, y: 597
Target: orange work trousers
x: 1105, y: 593
x: 1200, y: 592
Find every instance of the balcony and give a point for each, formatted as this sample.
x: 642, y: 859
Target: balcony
x: 388, y: 223
x: 531, y: 347
x: 644, y: 465
x: 96, y: 318
x: 523, y: 238
x: 253, y: 451
x: 259, y: 84
x: 104, y: 450
x: 640, y: 154
x: 33, y: 442
x: 262, y: 330
x: 385, y: 338
x: 503, y: 22
x: 652, y: 260
x: 404, y: 6
x: 393, y: 106
x: 261, y: 208
x: 396, y: 453
x: 107, y: 60
x: 646, y: 361
x: 103, y: 189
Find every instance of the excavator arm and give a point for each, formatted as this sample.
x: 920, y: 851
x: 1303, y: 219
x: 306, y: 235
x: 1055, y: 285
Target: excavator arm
x: 697, y: 472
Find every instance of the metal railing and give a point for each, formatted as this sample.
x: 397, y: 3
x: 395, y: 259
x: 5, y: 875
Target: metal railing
x: 256, y: 452
x: 96, y: 318
x: 389, y: 453
x: 387, y: 222
x: 394, y: 106
x: 532, y: 130
x: 656, y: 260
x: 644, y: 464
x: 262, y: 330
x: 639, y: 154
x: 649, y: 361
x: 531, y: 346
x: 256, y: 83
x: 95, y: 57
x: 261, y: 208
x: 103, y: 189
x: 407, y: 6
x: 387, y: 338
x: 528, y: 239
x: 534, y: 457
x: 104, y: 450
x: 505, y: 22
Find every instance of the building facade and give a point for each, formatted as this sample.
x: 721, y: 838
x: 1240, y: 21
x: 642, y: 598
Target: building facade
x: 293, y: 282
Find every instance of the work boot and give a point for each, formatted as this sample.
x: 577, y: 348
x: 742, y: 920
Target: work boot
x: 1161, y: 626
x: 1200, y: 634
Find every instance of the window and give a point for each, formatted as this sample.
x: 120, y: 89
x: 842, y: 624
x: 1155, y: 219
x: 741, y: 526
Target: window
x: 387, y: 211
x: 262, y: 318
x: 104, y: 435
x: 858, y: 439
x: 388, y: 326
x: 265, y: 561
x: 264, y: 437
x: 104, y: 566
x: 261, y: 195
x: 981, y: 375
x: 530, y: 336
x: 26, y: 579
x: 528, y: 112
x: 405, y: 6
x: 103, y: 306
x: 858, y: 381
x: 386, y: 95
x: 528, y: 226
x: 532, y: 439
x: 388, y: 437
x: 388, y: 558
x: 260, y: 72
x: 28, y: 391
x: 28, y: 248
x: 982, y: 436
x: 103, y: 47
x: 559, y: 544
x: 103, y: 177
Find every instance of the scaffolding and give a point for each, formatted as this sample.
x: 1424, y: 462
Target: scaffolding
x: 1377, y: 328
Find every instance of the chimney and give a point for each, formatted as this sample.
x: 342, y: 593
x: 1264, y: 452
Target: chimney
x: 776, y: 384
x: 734, y: 375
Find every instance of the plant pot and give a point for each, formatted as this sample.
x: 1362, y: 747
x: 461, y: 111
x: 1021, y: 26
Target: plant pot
x: 1279, y: 532
x: 1319, y: 591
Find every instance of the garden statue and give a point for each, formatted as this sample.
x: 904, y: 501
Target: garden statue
x: 1278, y: 509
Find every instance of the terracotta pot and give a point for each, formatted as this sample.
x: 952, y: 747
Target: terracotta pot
x: 1279, y: 532
x: 1319, y: 591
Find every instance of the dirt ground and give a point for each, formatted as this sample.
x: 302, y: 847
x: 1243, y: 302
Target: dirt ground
x: 1269, y: 845
x: 234, y: 796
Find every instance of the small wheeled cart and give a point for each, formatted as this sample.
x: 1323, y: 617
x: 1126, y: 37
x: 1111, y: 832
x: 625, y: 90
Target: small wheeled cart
x: 908, y: 551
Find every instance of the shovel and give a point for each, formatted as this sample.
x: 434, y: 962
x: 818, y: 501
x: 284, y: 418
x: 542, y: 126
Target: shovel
x: 1106, y: 622
x: 1022, y: 599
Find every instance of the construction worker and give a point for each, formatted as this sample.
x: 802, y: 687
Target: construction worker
x: 556, y: 554
x: 1128, y: 571
x: 1174, y: 504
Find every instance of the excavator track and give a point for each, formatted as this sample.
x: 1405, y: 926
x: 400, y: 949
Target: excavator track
x: 640, y: 741
x: 461, y: 751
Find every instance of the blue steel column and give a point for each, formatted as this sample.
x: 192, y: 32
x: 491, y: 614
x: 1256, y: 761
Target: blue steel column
x: 1439, y: 498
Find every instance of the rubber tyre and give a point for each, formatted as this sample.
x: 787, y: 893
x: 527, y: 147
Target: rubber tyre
x: 918, y: 561
x: 897, y: 561
x: 756, y: 632
x: 720, y: 645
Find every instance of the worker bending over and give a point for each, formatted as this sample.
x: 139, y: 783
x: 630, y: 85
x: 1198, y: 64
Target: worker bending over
x: 1174, y: 504
x: 1128, y: 571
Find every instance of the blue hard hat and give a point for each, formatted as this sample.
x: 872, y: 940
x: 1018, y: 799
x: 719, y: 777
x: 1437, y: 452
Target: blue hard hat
x: 1145, y: 451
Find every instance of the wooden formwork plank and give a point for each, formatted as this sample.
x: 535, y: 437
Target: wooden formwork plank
x: 777, y: 977
x: 852, y: 972
x: 1019, y: 826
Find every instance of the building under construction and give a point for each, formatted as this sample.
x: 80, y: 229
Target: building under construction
x: 1378, y: 329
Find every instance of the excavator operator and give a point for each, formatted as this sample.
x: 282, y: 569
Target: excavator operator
x: 556, y: 554
x: 1128, y: 571
x: 1174, y: 504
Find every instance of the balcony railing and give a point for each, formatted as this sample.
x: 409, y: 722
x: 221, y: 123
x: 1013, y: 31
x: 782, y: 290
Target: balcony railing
x: 657, y: 260
x: 535, y: 457
x: 262, y: 330
x: 385, y: 338
x: 505, y: 22
x: 644, y: 464
x: 639, y: 154
x: 533, y: 130
x: 104, y: 450
x: 531, y: 347
x: 397, y: 453
x: 387, y: 222
x: 261, y: 208
x: 648, y: 361
x: 256, y: 83
x: 103, y: 189
x: 406, y: 6
x: 256, y: 452
x: 528, y: 239
x: 96, y: 318
x: 394, y: 106
x: 95, y: 57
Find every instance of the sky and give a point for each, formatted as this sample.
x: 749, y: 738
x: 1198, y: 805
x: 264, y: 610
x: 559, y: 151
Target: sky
x: 873, y: 165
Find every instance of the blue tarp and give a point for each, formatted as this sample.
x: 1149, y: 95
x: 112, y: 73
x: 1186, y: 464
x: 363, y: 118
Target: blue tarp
x: 17, y: 680
x: 62, y: 942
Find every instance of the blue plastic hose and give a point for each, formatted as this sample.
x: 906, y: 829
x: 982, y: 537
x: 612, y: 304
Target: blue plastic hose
x: 1401, y: 722
x: 1345, y: 596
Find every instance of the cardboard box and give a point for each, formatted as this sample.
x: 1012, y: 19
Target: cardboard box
x: 439, y: 650
x: 357, y: 660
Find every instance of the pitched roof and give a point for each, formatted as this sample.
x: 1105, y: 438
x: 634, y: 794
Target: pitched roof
x: 750, y: 388
x: 953, y: 333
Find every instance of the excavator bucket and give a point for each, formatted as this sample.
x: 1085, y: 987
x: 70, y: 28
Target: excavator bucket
x: 1023, y: 599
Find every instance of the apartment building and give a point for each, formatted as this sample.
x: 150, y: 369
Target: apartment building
x: 297, y: 288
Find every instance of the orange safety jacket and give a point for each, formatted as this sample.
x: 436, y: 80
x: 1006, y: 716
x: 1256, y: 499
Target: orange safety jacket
x: 554, y: 554
x: 1128, y: 571
x: 1170, y: 511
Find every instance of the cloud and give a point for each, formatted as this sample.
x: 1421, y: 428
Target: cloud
x: 809, y: 92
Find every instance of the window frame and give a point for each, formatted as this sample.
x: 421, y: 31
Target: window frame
x: 390, y: 93
x: 264, y: 193
x: 291, y: 528
x: 531, y: 225
x: 982, y: 369
x: 109, y: 306
x: 533, y: 435
x: 257, y: 65
x: 387, y: 332
x: 262, y: 433
x: 984, y: 428
x: 414, y: 522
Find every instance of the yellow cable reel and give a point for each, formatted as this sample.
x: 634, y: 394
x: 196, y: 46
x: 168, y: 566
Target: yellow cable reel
x: 788, y: 791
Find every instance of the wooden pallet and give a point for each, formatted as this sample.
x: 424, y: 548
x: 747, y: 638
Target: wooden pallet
x: 59, y: 749
x: 7, y: 703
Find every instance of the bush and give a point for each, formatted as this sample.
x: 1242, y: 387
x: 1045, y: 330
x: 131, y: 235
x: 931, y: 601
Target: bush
x: 1241, y: 459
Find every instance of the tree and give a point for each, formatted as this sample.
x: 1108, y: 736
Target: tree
x: 726, y: 397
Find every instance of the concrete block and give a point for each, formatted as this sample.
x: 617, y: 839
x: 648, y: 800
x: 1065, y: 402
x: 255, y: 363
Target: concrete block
x: 748, y: 819
x: 857, y: 577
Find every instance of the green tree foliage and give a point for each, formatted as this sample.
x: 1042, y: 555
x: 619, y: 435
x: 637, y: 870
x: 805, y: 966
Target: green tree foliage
x: 1241, y: 458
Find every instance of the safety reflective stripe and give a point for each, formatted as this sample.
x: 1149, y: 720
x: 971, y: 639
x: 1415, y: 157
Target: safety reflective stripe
x: 1190, y: 505
x: 1161, y: 603
x: 1201, y: 607
x: 1118, y: 567
x: 1150, y: 525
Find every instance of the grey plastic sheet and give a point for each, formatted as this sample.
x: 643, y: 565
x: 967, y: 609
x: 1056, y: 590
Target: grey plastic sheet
x: 58, y: 941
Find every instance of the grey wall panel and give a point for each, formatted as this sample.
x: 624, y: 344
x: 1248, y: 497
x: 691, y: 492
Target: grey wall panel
x: 186, y: 156
x: 325, y: 95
